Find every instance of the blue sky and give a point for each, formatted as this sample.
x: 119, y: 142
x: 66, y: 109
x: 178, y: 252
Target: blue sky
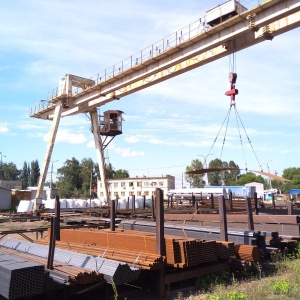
x: 167, y: 125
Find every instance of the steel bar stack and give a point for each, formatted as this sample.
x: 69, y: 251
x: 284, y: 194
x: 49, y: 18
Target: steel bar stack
x: 180, y: 252
x: 225, y: 249
x: 247, y: 237
x: 136, y: 259
x: 20, y: 278
x: 113, y: 271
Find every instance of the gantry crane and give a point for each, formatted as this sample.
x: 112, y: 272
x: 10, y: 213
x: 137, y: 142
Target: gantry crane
x: 180, y: 52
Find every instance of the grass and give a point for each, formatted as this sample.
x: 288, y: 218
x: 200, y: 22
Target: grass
x: 277, y: 280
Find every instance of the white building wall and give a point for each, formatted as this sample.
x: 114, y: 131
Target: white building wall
x: 259, y: 188
x: 137, y: 186
x: 5, y: 199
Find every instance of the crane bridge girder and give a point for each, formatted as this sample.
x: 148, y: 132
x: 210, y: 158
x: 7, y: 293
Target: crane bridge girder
x: 81, y: 95
x: 262, y: 22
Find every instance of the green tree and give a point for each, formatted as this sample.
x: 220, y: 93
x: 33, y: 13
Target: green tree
x: 69, y: 180
x: 251, y: 177
x: 195, y: 180
x: 110, y: 172
x: 25, y: 175
x: 215, y: 178
x: 34, y: 173
x: 9, y: 171
x: 89, y: 177
x: 121, y: 174
x: 292, y: 174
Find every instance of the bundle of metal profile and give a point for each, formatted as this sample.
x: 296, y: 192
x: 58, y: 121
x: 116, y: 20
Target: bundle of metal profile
x: 247, y: 252
x: 138, y: 259
x: 247, y: 237
x: 187, y: 252
x: 20, y: 278
x: 113, y: 271
x: 225, y: 249
x: 61, y: 275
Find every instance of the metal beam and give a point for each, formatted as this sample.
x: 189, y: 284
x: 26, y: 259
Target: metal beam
x: 263, y: 22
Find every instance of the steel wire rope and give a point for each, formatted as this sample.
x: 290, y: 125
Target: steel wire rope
x: 241, y: 140
x: 228, y: 113
x: 248, y: 139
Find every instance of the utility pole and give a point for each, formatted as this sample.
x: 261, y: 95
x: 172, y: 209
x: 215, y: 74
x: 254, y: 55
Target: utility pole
x: 51, y: 176
x: 1, y: 170
x: 267, y: 164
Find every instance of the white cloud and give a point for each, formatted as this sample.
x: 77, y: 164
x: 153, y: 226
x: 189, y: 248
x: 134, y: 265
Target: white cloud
x: 127, y: 152
x: 65, y: 135
x: 4, y: 128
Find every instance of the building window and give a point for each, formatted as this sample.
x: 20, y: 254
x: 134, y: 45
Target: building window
x: 131, y: 184
x: 161, y: 183
x: 153, y: 183
x: 131, y: 193
x: 101, y: 194
x: 101, y: 185
x: 146, y: 183
x: 116, y: 193
x: 139, y: 193
x: 139, y: 183
x: 122, y: 184
x: 123, y: 194
x: 115, y: 184
x: 146, y: 193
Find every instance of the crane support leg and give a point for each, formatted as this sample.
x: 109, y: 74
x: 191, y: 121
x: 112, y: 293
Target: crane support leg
x: 99, y: 151
x: 50, y: 145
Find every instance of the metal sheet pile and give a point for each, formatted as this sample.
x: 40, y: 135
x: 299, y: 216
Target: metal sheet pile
x: 113, y: 271
x: 19, y: 277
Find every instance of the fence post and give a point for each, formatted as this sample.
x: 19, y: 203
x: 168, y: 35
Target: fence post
x: 212, y: 205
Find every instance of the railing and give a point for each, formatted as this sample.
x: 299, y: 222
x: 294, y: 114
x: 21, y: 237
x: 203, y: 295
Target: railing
x: 171, y: 41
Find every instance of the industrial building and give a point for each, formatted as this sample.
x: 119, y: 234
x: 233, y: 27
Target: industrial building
x: 137, y: 186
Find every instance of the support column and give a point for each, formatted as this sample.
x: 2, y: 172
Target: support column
x: 112, y: 215
x: 255, y: 203
x: 49, y: 150
x: 57, y: 219
x: 99, y: 152
x: 223, y: 219
x: 290, y: 208
x: 160, y: 240
x: 249, y: 214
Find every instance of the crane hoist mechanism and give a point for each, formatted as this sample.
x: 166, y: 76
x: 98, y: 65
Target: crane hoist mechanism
x: 232, y: 93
